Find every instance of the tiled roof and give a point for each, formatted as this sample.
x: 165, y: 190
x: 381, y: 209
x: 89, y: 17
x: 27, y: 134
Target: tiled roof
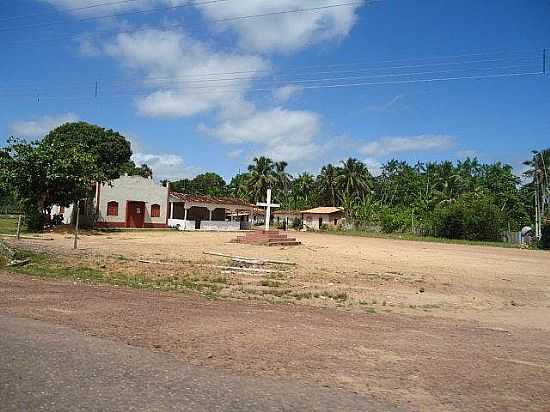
x: 286, y: 212
x: 324, y: 210
x: 210, y: 199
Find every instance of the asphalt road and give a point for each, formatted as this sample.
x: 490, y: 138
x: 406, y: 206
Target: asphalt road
x: 48, y: 367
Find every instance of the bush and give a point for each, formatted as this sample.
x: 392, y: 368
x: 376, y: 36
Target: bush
x: 297, y: 223
x: 471, y: 218
x: 544, y: 242
x: 394, y: 220
x: 34, y: 219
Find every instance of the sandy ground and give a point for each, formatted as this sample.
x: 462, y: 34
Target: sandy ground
x: 418, y: 363
x: 429, y: 326
x: 499, y: 286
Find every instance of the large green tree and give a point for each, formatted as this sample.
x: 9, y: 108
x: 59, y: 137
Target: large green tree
x: 62, y: 167
x: 327, y: 183
x: 355, y: 179
x: 261, y: 176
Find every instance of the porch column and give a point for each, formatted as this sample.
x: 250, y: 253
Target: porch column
x: 210, y: 210
x: 185, y: 217
x: 171, y: 210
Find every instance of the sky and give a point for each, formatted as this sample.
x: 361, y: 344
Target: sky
x: 207, y: 85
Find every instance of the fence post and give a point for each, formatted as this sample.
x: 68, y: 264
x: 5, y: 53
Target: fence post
x: 18, y: 235
x: 75, y: 244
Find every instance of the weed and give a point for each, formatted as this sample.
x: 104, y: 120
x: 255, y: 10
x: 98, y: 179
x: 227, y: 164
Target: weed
x: 341, y: 296
x: 42, y: 266
x: 270, y: 283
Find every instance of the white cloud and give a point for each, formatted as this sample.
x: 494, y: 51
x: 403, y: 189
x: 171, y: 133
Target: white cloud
x: 284, y: 32
x: 91, y: 8
x: 180, y: 69
x: 283, y: 134
x: 421, y: 143
x: 41, y: 126
x: 283, y: 94
x: 165, y: 166
x: 463, y: 154
x: 374, y: 166
x: 235, y: 154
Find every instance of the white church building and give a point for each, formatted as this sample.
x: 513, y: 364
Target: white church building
x: 138, y: 202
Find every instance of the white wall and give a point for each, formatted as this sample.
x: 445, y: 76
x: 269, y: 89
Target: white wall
x: 214, y: 225
x: 311, y: 220
x: 132, y: 188
x: 67, y: 214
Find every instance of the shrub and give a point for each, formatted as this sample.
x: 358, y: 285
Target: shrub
x: 395, y: 220
x: 297, y: 223
x: 471, y: 217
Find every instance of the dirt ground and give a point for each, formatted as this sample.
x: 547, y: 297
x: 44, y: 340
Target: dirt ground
x: 429, y: 326
x: 419, y: 363
x: 500, y: 286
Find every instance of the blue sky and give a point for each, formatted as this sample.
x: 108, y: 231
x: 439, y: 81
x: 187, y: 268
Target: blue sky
x: 195, y: 94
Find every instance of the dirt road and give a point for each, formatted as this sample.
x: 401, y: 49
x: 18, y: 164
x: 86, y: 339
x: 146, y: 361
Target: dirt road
x: 422, y: 363
x: 507, y: 287
x: 71, y: 371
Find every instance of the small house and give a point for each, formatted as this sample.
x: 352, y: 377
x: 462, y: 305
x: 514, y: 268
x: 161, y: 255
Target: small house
x: 317, y: 217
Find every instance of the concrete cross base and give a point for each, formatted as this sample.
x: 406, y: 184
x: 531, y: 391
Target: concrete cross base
x: 267, y: 238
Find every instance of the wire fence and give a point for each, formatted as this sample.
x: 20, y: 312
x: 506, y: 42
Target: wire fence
x: 12, y: 224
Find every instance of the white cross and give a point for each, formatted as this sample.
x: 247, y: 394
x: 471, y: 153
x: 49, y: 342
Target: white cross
x: 268, y: 205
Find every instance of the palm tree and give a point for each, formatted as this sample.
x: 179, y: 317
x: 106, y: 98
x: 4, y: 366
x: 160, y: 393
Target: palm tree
x: 328, y: 182
x: 283, y: 181
x: 303, y: 188
x: 354, y: 178
x: 261, y: 177
x: 539, y: 171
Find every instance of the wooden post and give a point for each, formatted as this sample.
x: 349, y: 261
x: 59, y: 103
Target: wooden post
x: 185, y: 218
x: 75, y: 244
x: 18, y: 235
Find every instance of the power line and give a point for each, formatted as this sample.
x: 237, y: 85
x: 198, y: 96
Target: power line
x: 201, y: 83
x: 91, y: 6
x: 312, y: 87
x: 191, y: 77
x: 129, y: 13
x: 297, y: 75
x: 223, y: 20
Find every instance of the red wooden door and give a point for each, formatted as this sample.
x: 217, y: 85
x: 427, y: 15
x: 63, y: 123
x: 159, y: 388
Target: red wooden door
x: 135, y: 214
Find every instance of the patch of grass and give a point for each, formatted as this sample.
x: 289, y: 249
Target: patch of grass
x: 43, y: 266
x: 302, y: 295
x: 270, y: 283
x: 221, y: 279
x: 410, y: 236
x: 8, y: 225
x: 339, y: 296
x: 276, y: 275
x: 430, y: 306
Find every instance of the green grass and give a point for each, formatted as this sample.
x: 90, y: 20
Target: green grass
x: 8, y: 225
x: 270, y: 283
x: 43, y: 266
x: 410, y: 236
